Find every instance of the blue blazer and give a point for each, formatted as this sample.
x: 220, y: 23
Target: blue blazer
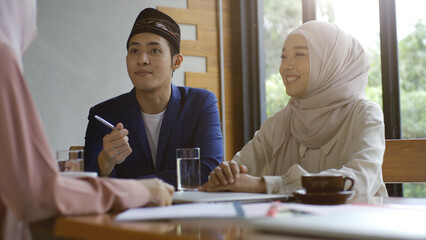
x: 190, y: 120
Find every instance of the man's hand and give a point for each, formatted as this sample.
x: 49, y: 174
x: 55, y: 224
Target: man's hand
x: 116, y: 150
x: 161, y: 192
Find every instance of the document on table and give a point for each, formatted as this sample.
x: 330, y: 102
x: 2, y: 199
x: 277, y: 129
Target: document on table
x: 195, y: 210
x: 350, y: 221
x: 200, y: 197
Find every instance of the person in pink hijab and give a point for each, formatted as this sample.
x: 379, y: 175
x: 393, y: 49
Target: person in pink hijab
x: 31, y: 187
x: 327, y: 127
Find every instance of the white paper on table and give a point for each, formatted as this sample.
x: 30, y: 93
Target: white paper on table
x: 193, y: 210
x: 353, y: 207
x: 316, y: 209
x: 225, y: 210
x: 256, y: 210
x: 350, y: 221
x: 199, y: 197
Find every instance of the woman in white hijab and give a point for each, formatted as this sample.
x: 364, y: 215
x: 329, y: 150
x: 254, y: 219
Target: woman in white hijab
x: 31, y: 187
x: 327, y: 127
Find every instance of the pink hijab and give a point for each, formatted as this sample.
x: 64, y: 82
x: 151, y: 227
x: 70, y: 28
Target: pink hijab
x: 338, y: 78
x: 18, y: 26
x: 31, y: 187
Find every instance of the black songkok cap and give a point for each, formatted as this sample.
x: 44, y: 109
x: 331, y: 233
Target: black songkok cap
x: 153, y: 21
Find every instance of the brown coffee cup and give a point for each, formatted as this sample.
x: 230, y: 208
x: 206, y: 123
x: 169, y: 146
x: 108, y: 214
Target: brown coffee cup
x: 326, y: 183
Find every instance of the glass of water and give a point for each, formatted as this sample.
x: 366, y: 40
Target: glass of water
x: 70, y: 160
x: 188, y: 169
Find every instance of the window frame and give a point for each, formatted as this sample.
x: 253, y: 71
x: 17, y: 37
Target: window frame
x: 252, y: 60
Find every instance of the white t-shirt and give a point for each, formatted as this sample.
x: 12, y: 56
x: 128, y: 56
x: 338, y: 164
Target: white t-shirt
x: 152, y: 128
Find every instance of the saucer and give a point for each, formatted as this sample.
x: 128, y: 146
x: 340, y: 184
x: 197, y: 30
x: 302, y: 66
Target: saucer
x: 322, y: 198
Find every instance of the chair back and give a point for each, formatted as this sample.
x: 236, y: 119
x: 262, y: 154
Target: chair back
x: 76, y: 148
x: 404, y: 161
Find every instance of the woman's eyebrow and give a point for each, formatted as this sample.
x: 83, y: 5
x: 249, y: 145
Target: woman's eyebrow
x: 300, y: 47
x: 296, y: 47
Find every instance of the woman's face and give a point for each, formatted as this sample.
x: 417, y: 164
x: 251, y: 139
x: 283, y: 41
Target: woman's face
x: 294, y: 67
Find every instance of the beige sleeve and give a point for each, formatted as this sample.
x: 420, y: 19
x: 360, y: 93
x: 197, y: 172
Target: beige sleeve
x: 257, y: 156
x: 365, y: 152
x: 257, y: 153
x: 363, y: 164
x: 285, y: 184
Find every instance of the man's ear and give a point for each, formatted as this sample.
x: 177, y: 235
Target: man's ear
x: 177, y: 61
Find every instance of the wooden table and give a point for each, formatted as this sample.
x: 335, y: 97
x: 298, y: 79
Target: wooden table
x: 104, y: 227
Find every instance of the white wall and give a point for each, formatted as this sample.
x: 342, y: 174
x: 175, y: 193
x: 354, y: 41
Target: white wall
x: 78, y: 60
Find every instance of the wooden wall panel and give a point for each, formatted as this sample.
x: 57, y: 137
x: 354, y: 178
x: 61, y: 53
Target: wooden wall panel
x: 210, y: 82
x: 204, y: 15
x: 206, y: 5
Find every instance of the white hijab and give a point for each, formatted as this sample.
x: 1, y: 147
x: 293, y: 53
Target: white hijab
x: 17, y: 25
x: 338, y: 78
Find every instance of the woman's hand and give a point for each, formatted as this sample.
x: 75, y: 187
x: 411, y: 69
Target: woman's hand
x: 161, y: 193
x: 244, y: 183
x: 226, y: 173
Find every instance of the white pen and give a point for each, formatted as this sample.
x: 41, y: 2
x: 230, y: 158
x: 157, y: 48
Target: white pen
x: 105, y: 122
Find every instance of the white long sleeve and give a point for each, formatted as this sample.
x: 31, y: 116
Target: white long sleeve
x: 356, y: 151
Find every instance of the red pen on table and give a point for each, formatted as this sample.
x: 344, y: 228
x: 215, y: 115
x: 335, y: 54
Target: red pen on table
x: 273, y: 209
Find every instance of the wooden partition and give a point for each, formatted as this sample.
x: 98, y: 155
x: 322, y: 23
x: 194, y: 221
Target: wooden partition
x: 204, y: 14
x: 405, y: 161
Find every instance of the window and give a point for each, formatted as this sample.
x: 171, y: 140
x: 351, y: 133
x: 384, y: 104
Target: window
x: 366, y: 29
x: 279, y: 17
x: 411, y: 26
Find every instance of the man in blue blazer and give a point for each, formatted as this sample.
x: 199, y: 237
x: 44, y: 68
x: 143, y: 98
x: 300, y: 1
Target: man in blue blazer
x: 158, y: 116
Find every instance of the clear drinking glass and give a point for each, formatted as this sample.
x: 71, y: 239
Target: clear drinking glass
x: 70, y: 160
x: 188, y: 169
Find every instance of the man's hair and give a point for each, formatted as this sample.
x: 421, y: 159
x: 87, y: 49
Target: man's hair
x: 173, y: 50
